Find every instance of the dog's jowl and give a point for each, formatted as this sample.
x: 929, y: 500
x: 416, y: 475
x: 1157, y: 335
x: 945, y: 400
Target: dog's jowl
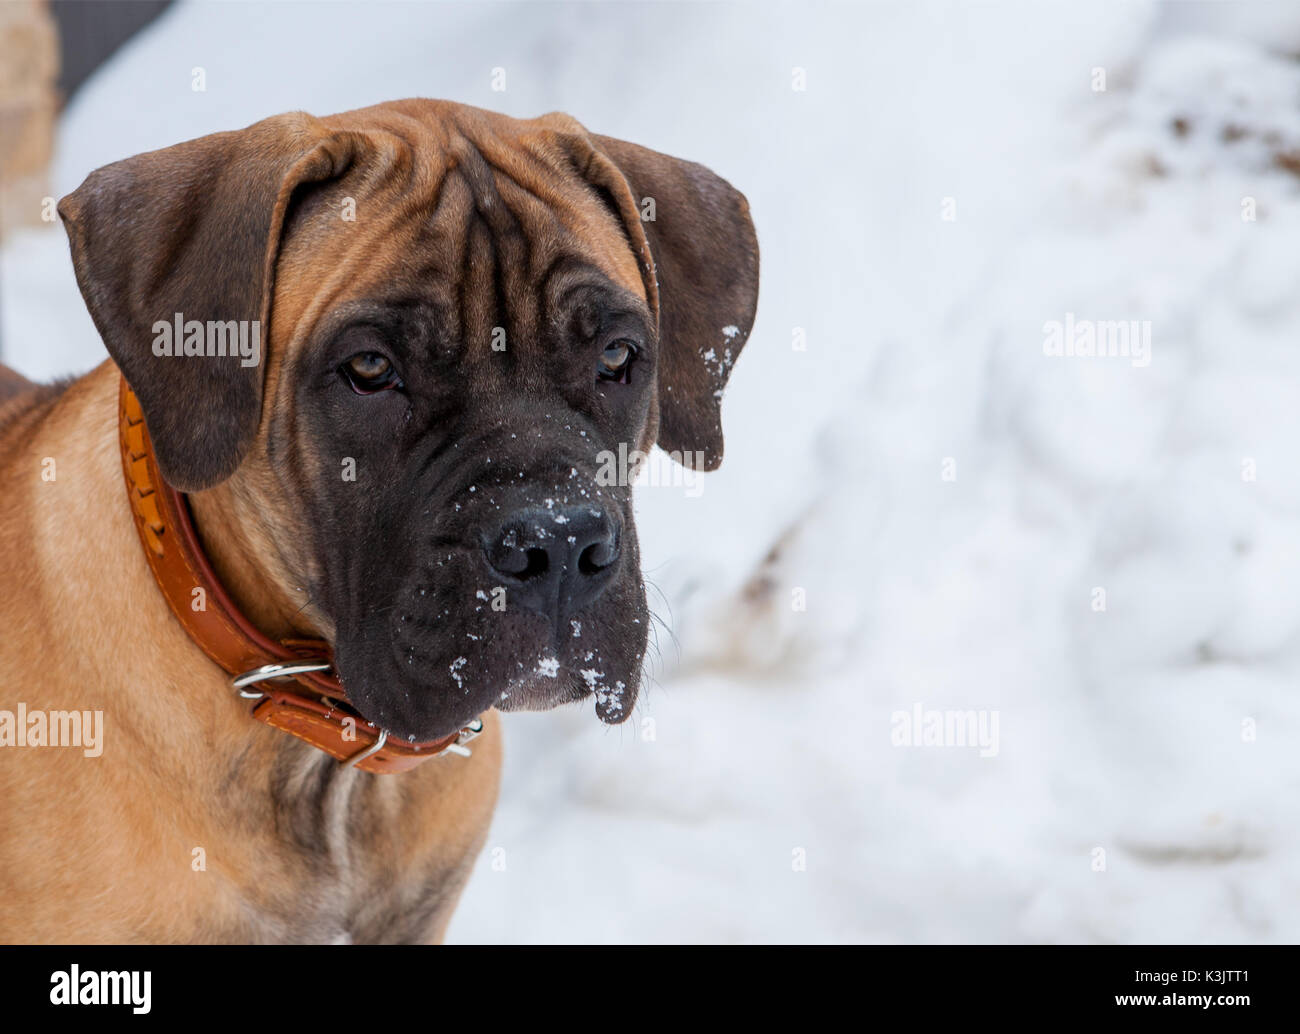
x: 334, y: 500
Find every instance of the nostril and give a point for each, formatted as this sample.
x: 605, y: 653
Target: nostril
x: 537, y: 563
x: 522, y: 563
x: 596, y: 557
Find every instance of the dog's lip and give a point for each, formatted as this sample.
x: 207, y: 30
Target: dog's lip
x: 546, y: 685
x: 611, y: 704
x: 554, y: 684
x: 415, y: 702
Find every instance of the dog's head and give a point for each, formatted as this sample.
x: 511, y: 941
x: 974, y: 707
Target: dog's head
x: 449, y: 321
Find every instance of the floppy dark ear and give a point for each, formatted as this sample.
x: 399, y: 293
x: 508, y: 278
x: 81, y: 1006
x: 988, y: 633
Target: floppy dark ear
x: 705, y: 256
x: 194, y: 229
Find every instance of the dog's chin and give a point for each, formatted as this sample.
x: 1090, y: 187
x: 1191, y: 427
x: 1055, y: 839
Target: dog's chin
x: 409, y: 670
x: 543, y: 691
x: 439, y: 698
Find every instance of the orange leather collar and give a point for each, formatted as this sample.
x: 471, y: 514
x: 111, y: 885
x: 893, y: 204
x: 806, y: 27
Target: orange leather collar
x: 315, y: 709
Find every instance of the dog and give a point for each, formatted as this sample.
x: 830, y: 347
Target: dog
x: 362, y: 371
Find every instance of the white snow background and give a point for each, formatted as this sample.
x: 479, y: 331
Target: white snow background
x: 765, y: 735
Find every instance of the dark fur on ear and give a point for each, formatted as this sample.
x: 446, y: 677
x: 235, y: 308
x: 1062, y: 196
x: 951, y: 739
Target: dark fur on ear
x: 701, y: 274
x: 194, y: 229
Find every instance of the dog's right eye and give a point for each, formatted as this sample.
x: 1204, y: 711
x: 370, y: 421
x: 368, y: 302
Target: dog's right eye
x: 615, y: 361
x: 369, y: 372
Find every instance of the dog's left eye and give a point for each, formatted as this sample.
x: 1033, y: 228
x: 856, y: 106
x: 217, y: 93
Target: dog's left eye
x: 369, y: 372
x: 615, y: 362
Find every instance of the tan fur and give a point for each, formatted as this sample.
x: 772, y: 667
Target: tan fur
x: 100, y: 849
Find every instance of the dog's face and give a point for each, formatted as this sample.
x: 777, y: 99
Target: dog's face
x: 469, y: 315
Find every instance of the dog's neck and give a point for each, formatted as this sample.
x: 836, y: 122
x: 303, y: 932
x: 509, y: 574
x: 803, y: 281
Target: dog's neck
x: 82, y: 507
x: 229, y: 518
x: 202, y: 603
x: 232, y: 525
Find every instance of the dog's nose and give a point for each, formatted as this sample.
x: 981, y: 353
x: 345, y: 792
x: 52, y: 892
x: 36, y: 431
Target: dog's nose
x: 555, y: 561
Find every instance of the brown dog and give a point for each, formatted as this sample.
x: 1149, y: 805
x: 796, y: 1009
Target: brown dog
x: 446, y: 320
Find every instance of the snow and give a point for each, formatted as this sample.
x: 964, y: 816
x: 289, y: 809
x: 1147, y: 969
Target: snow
x: 455, y: 667
x: 918, y: 506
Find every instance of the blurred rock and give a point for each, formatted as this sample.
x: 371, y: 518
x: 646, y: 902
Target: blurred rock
x: 29, y: 66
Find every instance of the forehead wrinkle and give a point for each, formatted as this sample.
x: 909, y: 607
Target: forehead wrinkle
x: 527, y: 171
x: 524, y: 152
x: 392, y: 188
x: 434, y: 205
x: 444, y: 239
x: 505, y: 248
x: 402, y: 199
x: 494, y: 264
x: 506, y: 207
x: 478, y: 297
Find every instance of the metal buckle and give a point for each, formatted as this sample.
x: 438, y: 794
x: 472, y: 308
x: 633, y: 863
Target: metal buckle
x: 361, y: 755
x: 466, y: 734
x: 272, y: 671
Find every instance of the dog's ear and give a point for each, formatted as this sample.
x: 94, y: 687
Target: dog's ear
x: 194, y: 229
x: 701, y: 274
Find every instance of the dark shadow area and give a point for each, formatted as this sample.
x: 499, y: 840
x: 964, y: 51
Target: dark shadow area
x: 90, y: 31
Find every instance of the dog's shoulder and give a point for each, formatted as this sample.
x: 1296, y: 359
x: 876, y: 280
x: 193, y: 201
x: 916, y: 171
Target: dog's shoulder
x: 12, y: 383
x: 19, y: 396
